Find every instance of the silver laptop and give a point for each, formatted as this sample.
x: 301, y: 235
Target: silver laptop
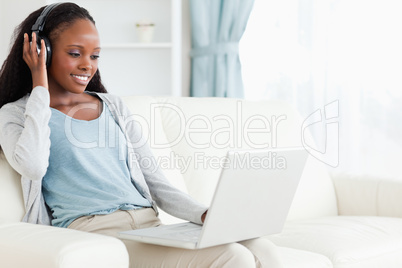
x: 252, y: 199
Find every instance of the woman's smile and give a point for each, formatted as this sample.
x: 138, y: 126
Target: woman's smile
x: 81, y: 79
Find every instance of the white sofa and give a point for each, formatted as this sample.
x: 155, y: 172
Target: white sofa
x: 342, y: 222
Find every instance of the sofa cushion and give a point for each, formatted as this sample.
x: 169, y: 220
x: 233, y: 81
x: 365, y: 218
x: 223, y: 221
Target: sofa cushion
x: 150, y: 120
x: 11, y: 200
x: 296, y: 258
x: 35, y: 245
x: 315, y: 184
x: 368, y: 195
x: 348, y: 241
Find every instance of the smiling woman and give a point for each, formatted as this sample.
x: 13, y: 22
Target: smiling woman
x: 55, y: 122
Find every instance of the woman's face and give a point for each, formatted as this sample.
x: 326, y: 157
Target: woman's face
x: 75, y: 55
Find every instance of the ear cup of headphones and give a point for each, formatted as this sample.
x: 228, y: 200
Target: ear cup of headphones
x: 48, y: 49
x: 38, y: 29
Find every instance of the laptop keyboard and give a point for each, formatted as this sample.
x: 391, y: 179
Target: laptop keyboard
x: 191, y: 235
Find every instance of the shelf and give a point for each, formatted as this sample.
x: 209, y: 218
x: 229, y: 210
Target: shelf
x: 128, y: 66
x: 137, y: 45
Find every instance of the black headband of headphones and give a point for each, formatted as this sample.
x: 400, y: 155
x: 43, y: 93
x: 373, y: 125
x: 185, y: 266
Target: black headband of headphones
x: 40, y: 21
x: 38, y: 27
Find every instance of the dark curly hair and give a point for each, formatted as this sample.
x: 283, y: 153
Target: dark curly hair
x: 15, y: 75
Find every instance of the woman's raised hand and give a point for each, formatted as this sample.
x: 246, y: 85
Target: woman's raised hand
x: 35, y: 62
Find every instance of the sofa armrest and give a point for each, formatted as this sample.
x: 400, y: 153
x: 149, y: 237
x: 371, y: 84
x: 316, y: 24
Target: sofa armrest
x: 367, y: 195
x: 29, y: 245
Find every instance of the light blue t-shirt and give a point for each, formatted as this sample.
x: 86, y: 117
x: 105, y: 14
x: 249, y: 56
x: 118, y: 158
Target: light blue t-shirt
x: 88, y: 169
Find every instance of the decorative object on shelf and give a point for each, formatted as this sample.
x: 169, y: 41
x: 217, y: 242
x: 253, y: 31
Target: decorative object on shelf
x: 145, y: 31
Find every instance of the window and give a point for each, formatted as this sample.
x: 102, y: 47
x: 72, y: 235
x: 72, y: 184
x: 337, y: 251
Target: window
x: 313, y: 52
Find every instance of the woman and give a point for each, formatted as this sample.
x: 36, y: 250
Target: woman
x: 73, y: 145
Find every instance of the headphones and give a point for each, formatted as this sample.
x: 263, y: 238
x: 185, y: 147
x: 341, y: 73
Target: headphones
x: 37, y: 28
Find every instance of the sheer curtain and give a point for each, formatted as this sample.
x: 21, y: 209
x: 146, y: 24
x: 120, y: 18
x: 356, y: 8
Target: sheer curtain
x: 346, y: 54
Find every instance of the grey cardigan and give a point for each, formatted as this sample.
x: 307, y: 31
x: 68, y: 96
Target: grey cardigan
x: 25, y: 140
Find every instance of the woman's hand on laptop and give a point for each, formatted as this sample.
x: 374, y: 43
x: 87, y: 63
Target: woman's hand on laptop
x: 203, y: 216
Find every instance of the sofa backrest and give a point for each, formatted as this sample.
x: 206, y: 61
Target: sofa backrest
x: 191, y: 136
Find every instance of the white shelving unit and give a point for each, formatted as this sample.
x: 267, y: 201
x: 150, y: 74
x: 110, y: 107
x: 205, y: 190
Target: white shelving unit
x: 127, y: 66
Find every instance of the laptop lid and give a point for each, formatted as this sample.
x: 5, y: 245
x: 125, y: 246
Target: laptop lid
x: 253, y: 195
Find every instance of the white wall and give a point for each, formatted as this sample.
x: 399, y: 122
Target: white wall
x: 12, y: 13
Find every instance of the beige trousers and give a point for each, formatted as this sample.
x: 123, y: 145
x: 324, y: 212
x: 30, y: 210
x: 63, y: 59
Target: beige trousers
x: 252, y: 253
